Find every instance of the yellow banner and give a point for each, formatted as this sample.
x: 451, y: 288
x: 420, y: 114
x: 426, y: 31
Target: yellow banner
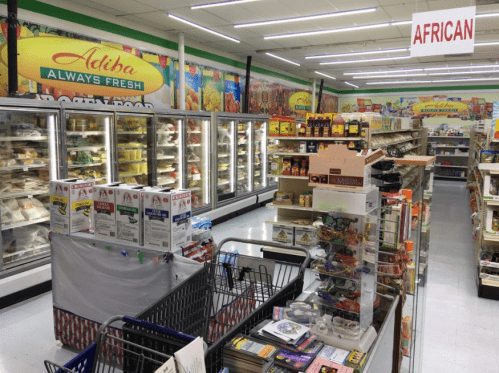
x: 439, y: 107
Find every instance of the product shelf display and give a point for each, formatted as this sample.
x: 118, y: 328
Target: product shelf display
x: 226, y: 183
x: 169, y: 160
x: 28, y: 161
x: 133, y: 145
x: 483, y: 182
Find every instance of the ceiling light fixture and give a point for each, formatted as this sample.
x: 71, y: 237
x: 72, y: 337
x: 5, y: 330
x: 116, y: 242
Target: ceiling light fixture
x: 463, y: 80
x: 282, y: 59
x: 203, y: 28
x: 389, y: 76
x: 329, y: 31
x: 460, y: 67
x: 327, y: 76
x: 366, y: 60
x: 465, y: 72
x: 400, y: 23
x: 306, y: 18
x: 383, y: 72
x: 221, y: 3
x: 353, y: 85
x: 486, y: 15
x: 485, y: 43
x: 399, y: 82
x: 358, y: 53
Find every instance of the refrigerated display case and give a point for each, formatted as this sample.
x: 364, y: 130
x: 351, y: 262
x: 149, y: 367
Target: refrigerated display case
x: 226, y: 183
x: 244, y: 163
x: 260, y: 154
x: 86, y: 138
x: 134, y: 146
x: 169, y: 160
x: 28, y: 161
x: 198, y: 163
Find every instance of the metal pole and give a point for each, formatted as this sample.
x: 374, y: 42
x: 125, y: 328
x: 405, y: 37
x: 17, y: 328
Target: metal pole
x: 12, y: 46
x: 320, y: 97
x: 181, y: 73
x: 247, y: 85
x: 314, y: 92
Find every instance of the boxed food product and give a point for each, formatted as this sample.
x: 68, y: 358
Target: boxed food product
x: 70, y: 205
x: 129, y: 200
x: 167, y: 218
x: 283, y: 198
x: 287, y: 126
x: 491, y: 187
x: 274, y: 126
x: 105, y: 210
x: 306, y: 236
x: 283, y: 234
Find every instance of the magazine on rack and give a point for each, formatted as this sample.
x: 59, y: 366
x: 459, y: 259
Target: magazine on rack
x: 295, y: 361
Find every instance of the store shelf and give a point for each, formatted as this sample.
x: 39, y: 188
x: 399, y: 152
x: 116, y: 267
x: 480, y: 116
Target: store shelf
x: 131, y: 175
x: 223, y: 155
x: 24, y: 138
x: 287, y: 221
x: 445, y: 146
x: 395, y: 131
x: 165, y: 157
x: 448, y: 137
x: 132, y: 160
x: 23, y: 252
x: 294, y: 207
x: 23, y: 167
x: 494, y: 140
x: 85, y: 133
x: 289, y: 177
x: 191, y: 145
x: 488, y: 166
x: 316, y: 138
x: 400, y: 141
x: 24, y: 223
x: 170, y: 182
x: 452, y: 177
x: 453, y: 155
x: 85, y: 165
x: 439, y: 165
x: 195, y: 131
x: 28, y: 194
x: 292, y: 154
x: 484, y: 263
x: 85, y: 148
x: 242, y: 153
x: 167, y: 170
x: 131, y: 133
x: 223, y: 183
x: 166, y: 146
x: 165, y: 132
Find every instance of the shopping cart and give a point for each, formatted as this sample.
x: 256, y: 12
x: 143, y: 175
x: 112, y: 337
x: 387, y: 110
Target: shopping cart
x: 229, y: 295
x: 139, y: 359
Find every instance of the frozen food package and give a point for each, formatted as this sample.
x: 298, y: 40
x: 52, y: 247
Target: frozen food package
x: 32, y: 209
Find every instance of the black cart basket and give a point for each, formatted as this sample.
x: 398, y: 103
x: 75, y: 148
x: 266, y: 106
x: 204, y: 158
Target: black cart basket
x: 231, y: 294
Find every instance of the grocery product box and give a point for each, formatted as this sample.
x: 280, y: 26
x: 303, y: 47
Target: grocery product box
x: 283, y: 234
x: 306, y: 236
x: 167, y: 218
x: 353, y: 203
x: 104, y: 212
x: 491, y: 187
x: 129, y: 213
x: 70, y: 205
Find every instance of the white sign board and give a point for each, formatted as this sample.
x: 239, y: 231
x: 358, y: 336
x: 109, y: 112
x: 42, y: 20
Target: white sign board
x: 449, y: 31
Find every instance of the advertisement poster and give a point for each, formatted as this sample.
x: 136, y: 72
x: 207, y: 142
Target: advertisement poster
x: 233, y: 94
x: 329, y: 104
x: 300, y: 103
x: 213, y: 90
x: 60, y: 65
x: 260, y: 97
x: 193, y: 86
x: 465, y: 106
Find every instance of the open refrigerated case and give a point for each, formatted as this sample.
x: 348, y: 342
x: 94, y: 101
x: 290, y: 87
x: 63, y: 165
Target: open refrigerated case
x: 134, y: 140
x: 28, y: 161
x: 198, y: 161
x: 86, y: 145
x: 169, y: 160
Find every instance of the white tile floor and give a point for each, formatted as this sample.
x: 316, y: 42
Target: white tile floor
x: 459, y: 336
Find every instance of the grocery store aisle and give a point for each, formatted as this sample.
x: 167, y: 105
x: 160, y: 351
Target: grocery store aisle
x: 461, y: 333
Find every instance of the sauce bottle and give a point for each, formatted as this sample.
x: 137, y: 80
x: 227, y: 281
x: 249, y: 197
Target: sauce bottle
x: 338, y: 128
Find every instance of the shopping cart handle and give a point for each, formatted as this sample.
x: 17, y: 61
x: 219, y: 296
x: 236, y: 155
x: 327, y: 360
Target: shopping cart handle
x: 271, y: 244
x: 158, y: 328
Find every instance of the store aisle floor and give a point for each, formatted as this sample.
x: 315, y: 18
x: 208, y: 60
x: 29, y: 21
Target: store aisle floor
x: 461, y: 333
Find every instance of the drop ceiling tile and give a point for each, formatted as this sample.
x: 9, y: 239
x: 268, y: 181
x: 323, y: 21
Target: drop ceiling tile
x: 102, y: 8
x: 126, y: 6
x: 201, y: 17
x: 354, y: 4
x: 404, y: 12
x: 238, y: 33
x: 309, y: 7
x: 445, y: 4
x: 169, y: 4
x: 487, y: 24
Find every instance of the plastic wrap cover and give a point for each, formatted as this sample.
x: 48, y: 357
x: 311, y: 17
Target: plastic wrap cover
x: 96, y: 282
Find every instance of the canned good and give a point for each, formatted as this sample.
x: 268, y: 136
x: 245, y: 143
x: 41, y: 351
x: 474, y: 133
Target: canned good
x: 302, y: 200
x: 308, y: 200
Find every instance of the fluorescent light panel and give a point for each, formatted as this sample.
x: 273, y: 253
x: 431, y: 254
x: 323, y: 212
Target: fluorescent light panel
x: 465, y: 73
x: 389, y: 76
x: 202, y: 28
x: 221, y: 3
x: 399, y: 82
x: 383, y: 72
x: 485, y: 43
x: 463, y: 80
x: 460, y: 67
x: 358, y: 73
x: 366, y: 60
x: 486, y: 15
x: 282, y: 59
x: 353, y: 85
x: 329, y: 31
x: 327, y: 76
x: 358, y: 53
x: 306, y: 18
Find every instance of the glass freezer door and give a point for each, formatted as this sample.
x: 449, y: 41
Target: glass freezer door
x: 87, y: 145
x: 28, y: 161
x: 244, y: 157
x: 226, y: 185
x: 197, y: 157
x: 131, y: 131
x: 260, y: 155
x: 168, y: 158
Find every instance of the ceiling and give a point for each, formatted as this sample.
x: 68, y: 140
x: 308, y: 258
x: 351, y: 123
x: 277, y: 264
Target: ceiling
x: 222, y: 19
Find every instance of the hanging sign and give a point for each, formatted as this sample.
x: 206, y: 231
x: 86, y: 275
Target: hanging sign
x: 449, y: 31
x: 439, y: 108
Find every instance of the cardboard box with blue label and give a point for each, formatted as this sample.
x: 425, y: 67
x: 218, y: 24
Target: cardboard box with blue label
x: 167, y: 218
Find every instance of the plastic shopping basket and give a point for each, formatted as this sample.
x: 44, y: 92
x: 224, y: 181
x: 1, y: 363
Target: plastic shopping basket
x: 137, y: 358
x: 229, y: 295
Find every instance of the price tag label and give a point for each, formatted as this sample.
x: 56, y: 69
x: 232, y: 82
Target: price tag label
x: 196, y: 177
